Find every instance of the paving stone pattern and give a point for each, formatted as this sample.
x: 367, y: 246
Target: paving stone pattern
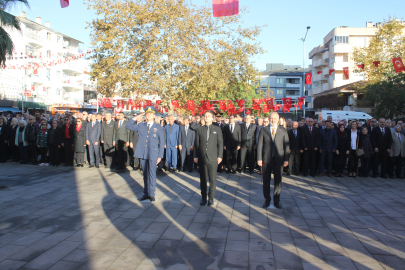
x: 64, y: 218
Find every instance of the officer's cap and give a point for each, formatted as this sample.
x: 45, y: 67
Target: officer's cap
x: 150, y: 109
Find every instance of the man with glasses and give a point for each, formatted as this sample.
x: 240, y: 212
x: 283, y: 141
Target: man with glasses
x: 32, y: 132
x: 310, y: 142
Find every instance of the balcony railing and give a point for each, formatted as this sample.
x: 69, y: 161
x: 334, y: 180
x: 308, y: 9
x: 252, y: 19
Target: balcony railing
x: 35, y: 36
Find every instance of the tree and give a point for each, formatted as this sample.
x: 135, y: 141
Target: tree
x: 171, y: 48
x: 8, y: 20
x: 388, y: 97
x: 388, y: 43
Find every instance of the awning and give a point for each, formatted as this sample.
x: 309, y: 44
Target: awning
x: 9, y: 109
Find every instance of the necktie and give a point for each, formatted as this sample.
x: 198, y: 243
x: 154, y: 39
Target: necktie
x: 273, y: 132
x: 383, y: 131
x: 170, y: 129
x: 120, y: 125
x: 208, y: 132
x: 310, y: 130
x: 186, y: 130
x: 148, y: 127
x: 295, y: 133
x: 399, y: 137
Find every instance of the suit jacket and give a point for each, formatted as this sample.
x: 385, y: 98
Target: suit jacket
x: 210, y: 149
x: 172, y: 138
x: 72, y: 129
x: 380, y: 141
x: 79, y: 139
x: 295, y: 142
x: 248, y: 135
x: 93, y: 134
x: 233, y: 139
x: 107, y: 132
x: 310, y: 141
x: 121, y: 134
x: 186, y: 141
x: 133, y: 138
x: 258, y: 129
x: 398, y: 147
x: 328, y: 142
x: 151, y: 144
x: 280, y: 146
x: 57, y: 137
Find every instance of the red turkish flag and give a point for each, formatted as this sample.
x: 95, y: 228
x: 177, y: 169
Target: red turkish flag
x: 64, y: 3
x: 269, y: 103
x: 222, y: 105
x: 266, y: 108
x: 147, y: 103
x: 346, y: 72
x: 158, y: 102
x: 229, y: 105
x: 319, y: 72
x: 206, y: 105
x: 376, y: 63
x: 241, y: 109
x: 175, y: 103
x: 138, y: 104
x: 361, y: 66
x: 240, y: 102
x: 256, y: 104
x: 222, y: 8
x: 248, y: 111
x: 129, y: 104
x: 398, y: 65
x: 190, y: 105
x: 331, y: 71
x: 107, y: 103
x: 301, y: 101
x: 287, y: 104
x: 308, y: 78
x: 102, y: 103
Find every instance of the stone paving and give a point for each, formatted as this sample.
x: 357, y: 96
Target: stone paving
x: 65, y: 218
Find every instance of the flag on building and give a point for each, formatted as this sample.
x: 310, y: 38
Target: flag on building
x: 308, y: 78
x: 398, y: 65
x: 346, y: 72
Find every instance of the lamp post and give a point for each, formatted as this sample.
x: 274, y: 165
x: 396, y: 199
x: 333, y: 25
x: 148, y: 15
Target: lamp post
x: 303, y: 67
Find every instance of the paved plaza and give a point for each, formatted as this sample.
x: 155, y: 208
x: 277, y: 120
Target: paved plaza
x: 64, y: 218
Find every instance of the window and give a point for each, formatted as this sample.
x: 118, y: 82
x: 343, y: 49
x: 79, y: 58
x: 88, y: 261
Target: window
x: 58, y: 39
x: 341, y: 40
x: 293, y: 81
x: 280, y: 80
x: 292, y: 92
x: 58, y: 74
x: 48, y: 90
x: 345, y: 58
x: 279, y: 102
x: 280, y: 92
x: 48, y: 73
x: 48, y: 36
x: 58, y: 91
x: 48, y: 54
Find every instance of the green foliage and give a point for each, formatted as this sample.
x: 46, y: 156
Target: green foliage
x: 388, y: 97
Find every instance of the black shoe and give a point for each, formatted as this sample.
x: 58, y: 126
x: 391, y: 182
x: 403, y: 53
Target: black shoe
x: 190, y: 171
x: 144, y: 198
x: 175, y: 170
x: 78, y: 165
x: 228, y: 171
x: 288, y: 174
x: 160, y: 170
x: 91, y: 166
x: 266, y: 204
x: 251, y: 172
x: 97, y: 166
x: 210, y: 202
x: 152, y: 198
x: 234, y: 172
x: 277, y: 205
x: 305, y: 174
x: 203, y: 202
x: 135, y: 169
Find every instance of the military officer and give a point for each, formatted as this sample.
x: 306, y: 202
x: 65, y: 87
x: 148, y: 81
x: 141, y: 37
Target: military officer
x: 149, y: 149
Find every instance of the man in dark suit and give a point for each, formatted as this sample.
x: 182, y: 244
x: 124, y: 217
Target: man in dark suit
x: 67, y: 141
x: 186, y: 145
x: 248, y: 146
x: 121, y: 141
x: 233, y: 142
x: 294, y: 136
x: 208, y: 154
x: 107, y: 138
x: 133, y: 141
x: 381, y: 140
x: 149, y: 149
x: 273, y: 153
x: 310, y: 143
x: 327, y: 146
x: 93, y: 141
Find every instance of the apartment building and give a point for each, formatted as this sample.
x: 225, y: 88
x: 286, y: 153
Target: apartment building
x: 336, y: 53
x: 285, y: 81
x: 63, y: 83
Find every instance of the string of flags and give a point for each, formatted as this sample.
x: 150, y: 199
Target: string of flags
x: 200, y: 107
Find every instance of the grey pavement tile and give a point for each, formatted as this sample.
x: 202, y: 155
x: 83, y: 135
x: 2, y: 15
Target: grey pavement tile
x: 236, y: 245
x: 340, y: 262
x: 79, y: 255
x: 11, y: 265
x: 66, y: 265
x: 287, y: 257
x: 9, y: 250
x: 30, y: 238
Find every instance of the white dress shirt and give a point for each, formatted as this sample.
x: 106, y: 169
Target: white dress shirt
x: 354, y: 140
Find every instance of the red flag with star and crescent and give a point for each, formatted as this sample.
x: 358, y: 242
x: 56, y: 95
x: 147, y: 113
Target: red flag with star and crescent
x: 190, y: 105
x: 346, y: 72
x: 221, y: 8
x: 308, y: 78
x: 175, y: 104
x: 222, y: 105
x: 398, y: 65
x: 206, y: 105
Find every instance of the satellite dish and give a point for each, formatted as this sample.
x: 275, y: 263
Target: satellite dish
x: 346, y: 108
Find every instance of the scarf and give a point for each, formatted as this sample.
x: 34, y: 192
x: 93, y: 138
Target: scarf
x: 43, y: 131
x: 78, y: 127
x: 341, y: 133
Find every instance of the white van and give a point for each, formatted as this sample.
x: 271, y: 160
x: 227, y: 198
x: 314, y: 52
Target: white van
x: 338, y: 116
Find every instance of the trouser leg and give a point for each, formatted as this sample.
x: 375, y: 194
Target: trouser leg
x: 266, y: 180
x: 278, y: 170
x: 203, y: 179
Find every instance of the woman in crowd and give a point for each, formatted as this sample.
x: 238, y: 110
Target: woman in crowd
x: 14, y: 151
x: 282, y: 122
x: 54, y: 143
x: 202, y: 122
x: 316, y: 125
x: 353, y: 158
x: 4, y: 134
x: 79, y: 142
x: 367, y: 149
x: 42, y: 143
x: 21, y: 141
x: 342, y: 150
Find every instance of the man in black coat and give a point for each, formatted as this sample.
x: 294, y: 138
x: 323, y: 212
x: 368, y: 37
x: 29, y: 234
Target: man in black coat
x: 381, y: 140
x: 121, y: 141
x: 93, y: 141
x: 186, y: 145
x: 107, y: 138
x: 327, y: 146
x: 310, y: 143
x: 208, y: 154
x: 273, y: 153
x: 31, y: 134
x: 233, y: 142
x: 294, y: 136
x: 248, y: 147
x: 68, y: 130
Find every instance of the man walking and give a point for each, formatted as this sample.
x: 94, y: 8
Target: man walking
x: 149, y: 149
x: 172, y: 142
x: 93, y: 141
x: 273, y: 153
x: 208, y: 154
x: 327, y: 146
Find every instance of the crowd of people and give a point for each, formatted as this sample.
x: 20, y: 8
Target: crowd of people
x: 102, y: 139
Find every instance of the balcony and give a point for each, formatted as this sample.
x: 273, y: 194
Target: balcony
x: 321, y: 62
x: 325, y: 56
x: 71, y: 49
x: 317, y: 50
x: 325, y: 87
x: 325, y: 71
x: 73, y: 66
x: 35, y: 39
x: 341, y: 48
x: 316, y: 63
x: 72, y: 84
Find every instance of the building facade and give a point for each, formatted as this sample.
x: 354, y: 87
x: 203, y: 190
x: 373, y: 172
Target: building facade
x: 63, y: 83
x: 336, y: 53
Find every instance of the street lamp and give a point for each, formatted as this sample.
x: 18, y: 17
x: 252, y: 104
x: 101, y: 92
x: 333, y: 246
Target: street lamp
x: 303, y: 67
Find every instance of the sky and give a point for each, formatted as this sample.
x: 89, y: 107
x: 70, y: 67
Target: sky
x: 286, y: 22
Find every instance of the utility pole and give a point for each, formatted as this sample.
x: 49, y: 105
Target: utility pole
x: 303, y: 68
